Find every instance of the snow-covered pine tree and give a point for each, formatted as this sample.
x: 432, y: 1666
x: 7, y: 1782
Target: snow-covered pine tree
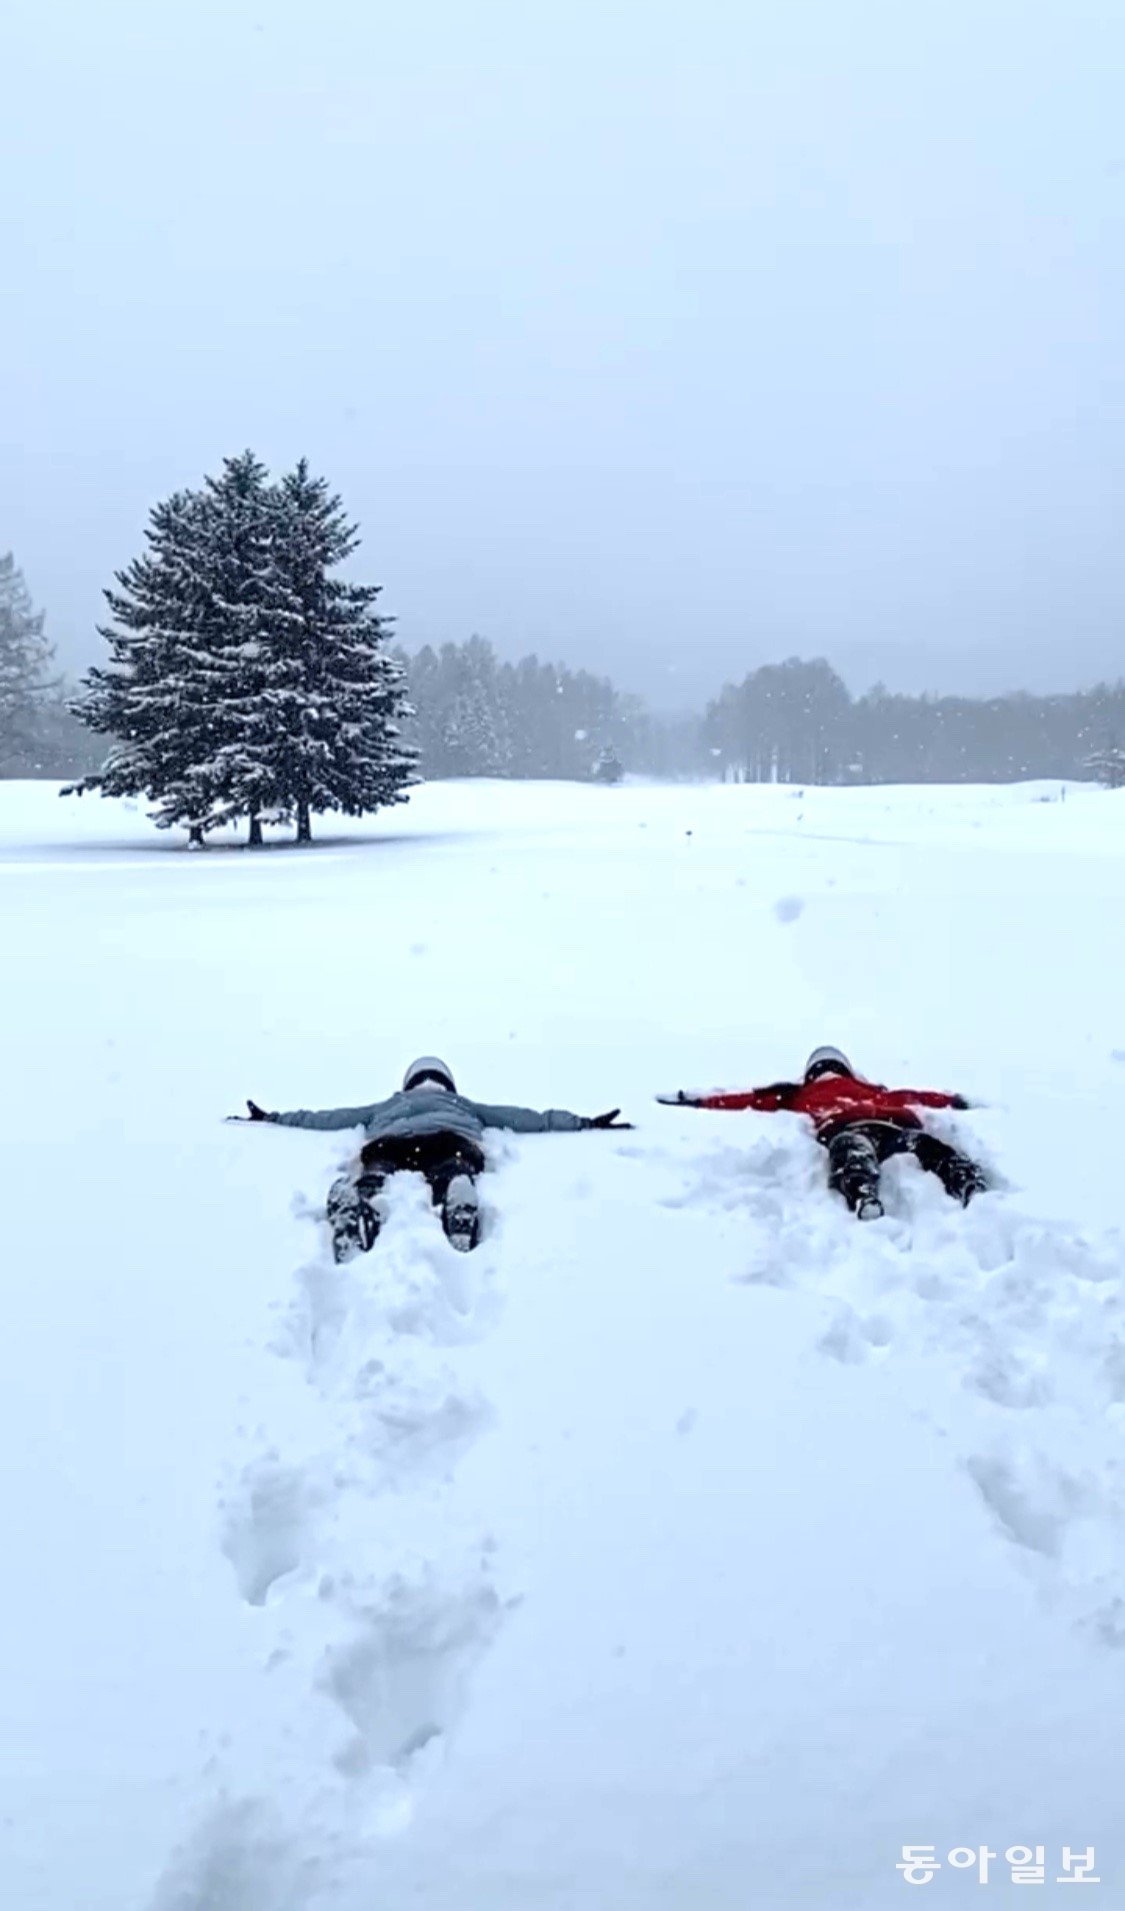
x: 324, y: 731
x: 169, y: 694
x: 436, y: 682
x: 498, y: 744
x: 467, y: 741
x: 245, y: 679
x: 238, y: 609
x: 25, y: 665
x: 141, y: 697
x: 1108, y: 765
x: 475, y: 736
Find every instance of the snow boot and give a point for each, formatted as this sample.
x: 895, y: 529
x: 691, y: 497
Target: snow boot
x: 354, y: 1233
x: 460, y: 1214
x: 958, y: 1173
x: 854, y: 1172
x: 964, y: 1180
x: 353, y: 1218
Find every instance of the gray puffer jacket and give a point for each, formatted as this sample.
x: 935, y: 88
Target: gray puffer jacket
x: 431, y: 1111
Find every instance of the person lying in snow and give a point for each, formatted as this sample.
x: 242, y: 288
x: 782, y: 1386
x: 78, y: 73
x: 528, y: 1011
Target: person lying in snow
x: 428, y: 1128
x: 860, y: 1123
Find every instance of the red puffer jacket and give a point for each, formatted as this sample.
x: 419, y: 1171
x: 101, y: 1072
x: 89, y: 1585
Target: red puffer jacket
x: 835, y: 1101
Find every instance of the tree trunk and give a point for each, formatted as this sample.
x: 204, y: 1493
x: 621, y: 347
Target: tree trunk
x: 304, y: 823
x: 195, y: 836
x: 254, y: 840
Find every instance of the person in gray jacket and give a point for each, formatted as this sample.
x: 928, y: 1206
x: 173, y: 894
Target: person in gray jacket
x: 429, y: 1128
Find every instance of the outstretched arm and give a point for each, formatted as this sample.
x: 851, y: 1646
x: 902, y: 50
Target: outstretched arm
x: 326, y: 1117
x: 536, y: 1121
x: 767, y: 1101
x: 926, y: 1098
x: 311, y: 1117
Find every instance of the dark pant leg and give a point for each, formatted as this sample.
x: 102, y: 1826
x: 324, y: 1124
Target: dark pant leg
x: 451, y: 1165
x: 382, y: 1158
x: 959, y: 1176
x: 463, y: 1163
x: 375, y: 1169
x: 854, y: 1160
x: 439, y: 1157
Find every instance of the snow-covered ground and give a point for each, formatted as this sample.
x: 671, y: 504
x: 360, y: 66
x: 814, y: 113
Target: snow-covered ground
x: 687, y: 1548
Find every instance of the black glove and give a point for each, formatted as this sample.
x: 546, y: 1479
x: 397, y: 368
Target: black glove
x: 960, y: 1102
x: 607, y: 1121
x: 678, y: 1100
x: 256, y: 1114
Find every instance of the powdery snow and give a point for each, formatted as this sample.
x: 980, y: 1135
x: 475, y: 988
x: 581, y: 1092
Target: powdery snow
x: 686, y: 1548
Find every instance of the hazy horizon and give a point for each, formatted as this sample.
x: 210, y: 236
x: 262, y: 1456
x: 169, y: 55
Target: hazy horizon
x: 663, y: 343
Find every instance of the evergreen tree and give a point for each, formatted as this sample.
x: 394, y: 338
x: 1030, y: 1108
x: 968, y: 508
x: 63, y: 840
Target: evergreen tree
x: 234, y: 594
x: 245, y: 680
x: 474, y: 737
x: 165, y: 696
x: 25, y: 684
x: 1108, y: 765
x: 324, y: 721
x: 468, y: 735
x: 609, y: 767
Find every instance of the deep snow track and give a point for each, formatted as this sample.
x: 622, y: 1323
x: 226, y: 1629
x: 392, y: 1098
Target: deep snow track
x: 374, y: 1594
x: 687, y: 1546
x: 1026, y: 1317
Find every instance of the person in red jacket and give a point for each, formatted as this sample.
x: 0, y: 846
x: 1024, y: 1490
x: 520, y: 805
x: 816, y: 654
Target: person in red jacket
x: 860, y: 1123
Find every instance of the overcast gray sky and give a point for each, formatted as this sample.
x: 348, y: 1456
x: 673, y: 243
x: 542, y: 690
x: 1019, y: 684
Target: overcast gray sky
x: 665, y: 338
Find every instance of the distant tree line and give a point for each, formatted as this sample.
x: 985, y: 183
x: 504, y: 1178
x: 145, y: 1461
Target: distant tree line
x: 790, y: 722
x: 246, y: 678
x: 477, y: 716
x: 38, y: 734
x: 796, y: 722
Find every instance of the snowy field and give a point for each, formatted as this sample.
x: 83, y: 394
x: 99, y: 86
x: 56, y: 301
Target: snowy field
x: 687, y: 1548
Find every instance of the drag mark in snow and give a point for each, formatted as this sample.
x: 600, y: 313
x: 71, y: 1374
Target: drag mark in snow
x: 376, y: 1595
x: 1025, y: 1317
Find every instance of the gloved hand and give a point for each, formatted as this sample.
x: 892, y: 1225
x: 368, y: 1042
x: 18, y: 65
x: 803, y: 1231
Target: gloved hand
x: 256, y: 1113
x: 678, y: 1100
x: 960, y: 1102
x: 607, y: 1121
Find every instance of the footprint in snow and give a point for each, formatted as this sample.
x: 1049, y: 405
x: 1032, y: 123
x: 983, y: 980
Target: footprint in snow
x: 1033, y: 1504
x: 266, y: 1517
x: 401, y: 1679
x: 238, y: 1860
x: 852, y: 1338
